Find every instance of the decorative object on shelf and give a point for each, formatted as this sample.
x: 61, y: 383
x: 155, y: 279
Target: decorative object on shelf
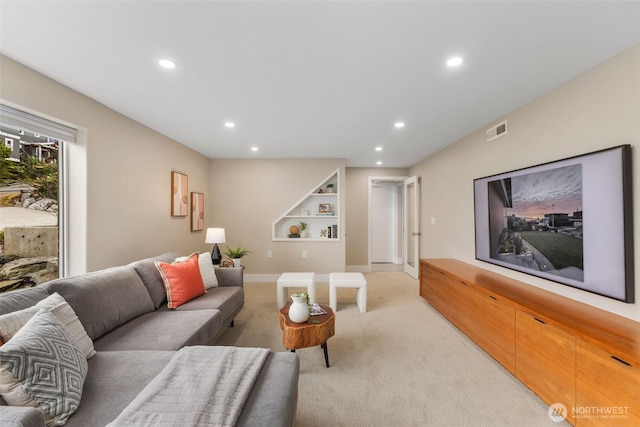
x: 236, y: 254
x: 299, y: 310
x: 323, y: 232
x: 324, y: 208
x: 304, y: 212
x: 294, y: 232
x: 303, y: 228
x: 179, y: 194
x: 319, y: 191
x: 227, y: 263
x: 330, y: 188
x: 197, y: 211
x: 215, y: 236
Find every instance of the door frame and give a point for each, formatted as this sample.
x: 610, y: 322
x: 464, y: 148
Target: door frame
x: 399, y: 180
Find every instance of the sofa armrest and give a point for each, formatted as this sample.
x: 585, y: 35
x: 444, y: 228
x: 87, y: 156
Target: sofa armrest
x: 21, y: 416
x: 228, y: 276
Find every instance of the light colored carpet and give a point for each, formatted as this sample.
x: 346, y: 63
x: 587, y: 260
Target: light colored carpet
x: 398, y: 364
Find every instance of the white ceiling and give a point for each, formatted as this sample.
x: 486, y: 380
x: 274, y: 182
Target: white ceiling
x: 316, y: 78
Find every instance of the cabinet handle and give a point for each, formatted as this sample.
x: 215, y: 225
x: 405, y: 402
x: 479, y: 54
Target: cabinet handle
x: 493, y: 298
x: 541, y: 321
x: 621, y: 361
x: 463, y: 283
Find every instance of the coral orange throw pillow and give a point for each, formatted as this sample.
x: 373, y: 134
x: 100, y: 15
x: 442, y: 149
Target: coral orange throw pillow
x: 182, y: 280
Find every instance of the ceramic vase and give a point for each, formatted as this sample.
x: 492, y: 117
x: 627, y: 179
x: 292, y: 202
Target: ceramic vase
x: 299, y: 310
x: 236, y: 262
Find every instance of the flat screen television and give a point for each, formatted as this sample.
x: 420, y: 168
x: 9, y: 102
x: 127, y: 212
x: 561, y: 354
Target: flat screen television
x: 569, y: 221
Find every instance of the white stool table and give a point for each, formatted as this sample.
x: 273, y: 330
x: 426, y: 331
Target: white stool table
x: 296, y: 280
x: 348, y: 280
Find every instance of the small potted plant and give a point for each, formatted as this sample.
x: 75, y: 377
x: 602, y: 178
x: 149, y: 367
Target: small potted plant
x: 330, y: 188
x: 303, y: 228
x: 236, y: 254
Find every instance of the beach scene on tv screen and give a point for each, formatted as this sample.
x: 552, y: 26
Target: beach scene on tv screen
x: 535, y: 221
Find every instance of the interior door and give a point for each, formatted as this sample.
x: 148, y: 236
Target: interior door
x: 412, y: 226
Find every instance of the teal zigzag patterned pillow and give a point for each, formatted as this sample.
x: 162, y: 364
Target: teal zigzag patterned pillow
x: 42, y: 366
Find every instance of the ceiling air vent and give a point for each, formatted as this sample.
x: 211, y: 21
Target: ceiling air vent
x: 496, y: 131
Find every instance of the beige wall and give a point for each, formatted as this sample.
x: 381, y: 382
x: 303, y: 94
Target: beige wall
x: 119, y: 177
x: 357, y: 220
x: 597, y: 110
x: 248, y: 195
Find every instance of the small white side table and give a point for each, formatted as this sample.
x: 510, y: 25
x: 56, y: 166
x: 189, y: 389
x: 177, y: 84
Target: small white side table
x: 348, y: 280
x: 296, y: 280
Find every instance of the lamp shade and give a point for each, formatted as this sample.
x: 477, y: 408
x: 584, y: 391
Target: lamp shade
x: 215, y: 235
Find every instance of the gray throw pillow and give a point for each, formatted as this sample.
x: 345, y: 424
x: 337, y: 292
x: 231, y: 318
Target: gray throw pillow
x: 43, y: 367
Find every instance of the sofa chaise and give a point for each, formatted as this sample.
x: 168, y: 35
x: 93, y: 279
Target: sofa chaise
x: 134, y: 336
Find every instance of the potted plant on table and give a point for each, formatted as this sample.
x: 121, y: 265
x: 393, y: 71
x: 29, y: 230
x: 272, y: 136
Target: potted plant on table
x: 236, y: 254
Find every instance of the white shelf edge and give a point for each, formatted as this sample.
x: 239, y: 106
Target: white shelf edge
x: 303, y: 239
x: 310, y: 216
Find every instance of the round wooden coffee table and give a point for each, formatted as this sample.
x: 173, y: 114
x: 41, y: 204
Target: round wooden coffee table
x: 315, y: 331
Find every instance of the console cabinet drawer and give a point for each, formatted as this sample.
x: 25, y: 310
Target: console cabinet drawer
x: 607, y: 389
x: 436, y: 288
x: 546, y: 360
x: 488, y: 321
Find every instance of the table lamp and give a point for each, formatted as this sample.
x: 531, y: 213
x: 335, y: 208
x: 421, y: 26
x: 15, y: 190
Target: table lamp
x: 215, y: 236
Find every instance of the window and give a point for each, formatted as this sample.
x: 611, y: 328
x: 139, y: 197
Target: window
x: 30, y: 189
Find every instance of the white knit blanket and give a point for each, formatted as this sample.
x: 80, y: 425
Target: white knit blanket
x: 201, y: 386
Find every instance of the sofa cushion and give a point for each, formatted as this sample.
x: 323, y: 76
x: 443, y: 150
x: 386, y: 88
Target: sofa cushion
x: 150, y: 276
x: 228, y: 299
x: 115, y: 378
x: 42, y: 366
x: 21, y: 299
x: 163, y: 330
x: 274, y: 395
x: 182, y: 280
x: 105, y: 299
x: 11, y: 323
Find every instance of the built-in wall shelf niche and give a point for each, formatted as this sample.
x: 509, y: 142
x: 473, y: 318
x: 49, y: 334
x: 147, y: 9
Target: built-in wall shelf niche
x: 319, y: 209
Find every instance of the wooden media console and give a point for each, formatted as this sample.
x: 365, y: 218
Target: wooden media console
x: 565, y: 351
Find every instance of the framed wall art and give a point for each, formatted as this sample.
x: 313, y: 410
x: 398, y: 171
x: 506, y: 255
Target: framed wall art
x: 197, y: 211
x: 179, y: 194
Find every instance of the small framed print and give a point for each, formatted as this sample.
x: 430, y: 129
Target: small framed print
x: 324, y: 208
x: 197, y: 211
x: 179, y: 195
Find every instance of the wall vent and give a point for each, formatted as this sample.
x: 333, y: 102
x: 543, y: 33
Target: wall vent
x: 496, y: 131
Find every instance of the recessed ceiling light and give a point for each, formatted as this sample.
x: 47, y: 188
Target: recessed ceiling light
x: 399, y: 124
x: 378, y: 148
x: 229, y: 125
x: 378, y: 163
x: 254, y: 148
x: 454, y: 62
x: 167, y: 63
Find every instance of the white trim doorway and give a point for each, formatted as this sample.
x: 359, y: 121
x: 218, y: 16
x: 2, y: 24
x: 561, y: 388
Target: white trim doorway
x: 386, y: 223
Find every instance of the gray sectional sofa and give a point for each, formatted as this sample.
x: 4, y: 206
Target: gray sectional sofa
x: 123, y: 310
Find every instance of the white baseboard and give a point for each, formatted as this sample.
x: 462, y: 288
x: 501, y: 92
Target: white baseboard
x: 358, y: 268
